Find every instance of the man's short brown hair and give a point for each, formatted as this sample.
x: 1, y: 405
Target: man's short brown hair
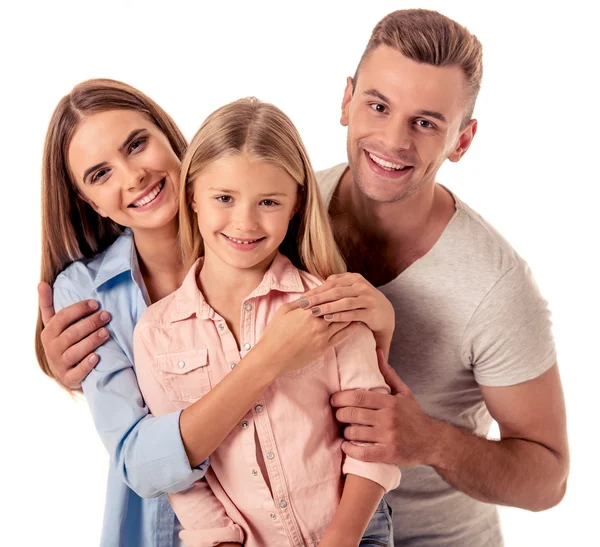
x: 429, y: 37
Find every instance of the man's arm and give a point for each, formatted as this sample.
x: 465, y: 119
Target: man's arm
x: 527, y: 468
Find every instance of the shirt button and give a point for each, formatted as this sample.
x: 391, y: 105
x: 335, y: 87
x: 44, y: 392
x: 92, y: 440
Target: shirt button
x: 221, y: 326
x: 270, y: 455
x: 247, y: 307
x: 254, y: 472
x: 283, y: 504
x: 273, y: 516
x: 258, y: 408
x: 232, y: 365
x: 181, y: 364
x: 247, y: 346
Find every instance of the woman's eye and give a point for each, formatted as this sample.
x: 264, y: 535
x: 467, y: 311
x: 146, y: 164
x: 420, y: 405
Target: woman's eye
x: 98, y: 175
x: 225, y: 199
x: 269, y: 202
x: 378, y: 107
x: 137, y: 144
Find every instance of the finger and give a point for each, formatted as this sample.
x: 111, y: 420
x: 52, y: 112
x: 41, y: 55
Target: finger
x: 347, y: 303
x: 370, y: 453
x: 362, y: 398
x: 356, y: 416
x: 390, y: 376
x: 69, y: 315
x: 45, y: 302
x: 82, y: 329
x: 334, y: 282
x: 364, y: 434
x: 78, y: 352
x: 348, y: 317
x: 73, y: 378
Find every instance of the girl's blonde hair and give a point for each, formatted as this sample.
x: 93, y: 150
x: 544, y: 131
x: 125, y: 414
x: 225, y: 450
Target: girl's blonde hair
x: 71, y: 229
x: 262, y: 131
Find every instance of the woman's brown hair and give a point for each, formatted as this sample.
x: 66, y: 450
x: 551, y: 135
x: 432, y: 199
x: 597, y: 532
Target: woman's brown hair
x: 71, y: 229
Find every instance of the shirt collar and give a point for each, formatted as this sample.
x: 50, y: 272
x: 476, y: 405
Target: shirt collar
x: 119, y: 258
x: 281, y: 276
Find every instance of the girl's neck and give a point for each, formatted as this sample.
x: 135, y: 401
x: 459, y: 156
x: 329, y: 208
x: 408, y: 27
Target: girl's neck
x: 160, y: 260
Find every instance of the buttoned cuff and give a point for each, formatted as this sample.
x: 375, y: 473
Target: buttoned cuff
x: 210, y: 537
x: 169, y: 467
x: 384, y: 474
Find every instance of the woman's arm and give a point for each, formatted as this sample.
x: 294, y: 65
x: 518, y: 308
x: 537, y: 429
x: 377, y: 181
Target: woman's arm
x: 359, y: 501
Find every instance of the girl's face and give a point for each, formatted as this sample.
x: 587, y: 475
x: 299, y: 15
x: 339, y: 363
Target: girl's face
x: 126, y: 169
x: 243, y: 207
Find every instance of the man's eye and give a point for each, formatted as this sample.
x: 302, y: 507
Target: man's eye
x: 425, y: 124
x: 378, y: 107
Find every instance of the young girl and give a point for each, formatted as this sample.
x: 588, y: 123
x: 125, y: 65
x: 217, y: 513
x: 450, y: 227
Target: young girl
x: 252, y: 220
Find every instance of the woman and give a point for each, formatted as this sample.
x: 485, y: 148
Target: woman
x: 111, y: 161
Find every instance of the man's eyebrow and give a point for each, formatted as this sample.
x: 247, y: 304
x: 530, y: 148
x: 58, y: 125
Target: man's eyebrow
x: 130, y: 137
x: 378, y: 94
x: 433, y: 114
x: 93, y: 168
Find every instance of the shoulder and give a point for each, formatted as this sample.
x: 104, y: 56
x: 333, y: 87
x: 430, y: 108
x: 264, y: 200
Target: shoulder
x: 161, y: 313
x: 328, y: 179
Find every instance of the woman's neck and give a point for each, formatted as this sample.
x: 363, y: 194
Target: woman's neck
x: 160, y: 260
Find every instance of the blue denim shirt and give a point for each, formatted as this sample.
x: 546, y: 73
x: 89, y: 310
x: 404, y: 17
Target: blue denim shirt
x: 147, y: 456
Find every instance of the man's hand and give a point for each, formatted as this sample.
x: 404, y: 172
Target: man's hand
x: 71, y: 336
x: 401, y: 433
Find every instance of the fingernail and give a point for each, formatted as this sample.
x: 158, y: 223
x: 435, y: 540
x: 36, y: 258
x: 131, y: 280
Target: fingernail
x: 303, y: 303
x: 315, y: 311
x: 93, y: 359
x: 103, y: 333
x: 328, y: 316
x: 93, y: 304
x: 104, y: 316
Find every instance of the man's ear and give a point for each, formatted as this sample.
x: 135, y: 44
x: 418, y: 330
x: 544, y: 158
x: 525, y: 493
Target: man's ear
x: 346, y: 101
x: 464, y: 141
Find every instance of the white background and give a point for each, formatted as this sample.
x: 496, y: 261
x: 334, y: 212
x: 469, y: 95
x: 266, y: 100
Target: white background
x: 531, y: 172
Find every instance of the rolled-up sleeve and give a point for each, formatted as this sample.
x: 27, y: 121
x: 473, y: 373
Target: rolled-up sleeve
x: 358, y: 369
x: 147, y: 451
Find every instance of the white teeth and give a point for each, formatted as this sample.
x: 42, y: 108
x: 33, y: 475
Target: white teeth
x: 149, y: 197
x: 386, y: 164
x: 241, y: 242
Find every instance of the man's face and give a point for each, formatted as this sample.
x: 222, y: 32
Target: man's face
x: 404, y: 119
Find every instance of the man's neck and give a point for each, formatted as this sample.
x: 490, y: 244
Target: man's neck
x: 380, y: 240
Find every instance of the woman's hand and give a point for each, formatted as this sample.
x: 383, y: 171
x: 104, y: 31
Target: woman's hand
x: 71, y: 336
x: 294, y: 338
x: 350, y: 297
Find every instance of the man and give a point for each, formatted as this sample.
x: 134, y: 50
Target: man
x: 473, y: 336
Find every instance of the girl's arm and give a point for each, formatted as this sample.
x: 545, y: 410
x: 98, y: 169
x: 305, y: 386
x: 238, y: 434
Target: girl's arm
x: 359, y: 501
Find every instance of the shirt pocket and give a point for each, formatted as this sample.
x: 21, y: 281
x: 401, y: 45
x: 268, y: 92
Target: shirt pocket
x: 309, y: 370
x: 184, y: 374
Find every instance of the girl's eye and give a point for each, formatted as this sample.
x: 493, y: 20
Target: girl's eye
x: 137, y: 144
x: 269, y: 202
x: 98, y: 175
x: 378, y: 107
x: 225, y: 199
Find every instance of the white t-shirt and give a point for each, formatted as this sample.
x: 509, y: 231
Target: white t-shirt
x: 468, y: 313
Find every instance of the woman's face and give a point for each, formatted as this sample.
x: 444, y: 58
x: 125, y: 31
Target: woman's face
x: 126, y: 169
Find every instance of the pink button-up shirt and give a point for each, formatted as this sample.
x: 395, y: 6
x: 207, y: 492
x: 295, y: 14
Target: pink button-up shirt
x: 183, y: 348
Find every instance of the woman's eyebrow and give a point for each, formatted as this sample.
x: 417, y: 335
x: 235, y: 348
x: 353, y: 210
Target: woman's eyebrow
x: 93, y: 168
x: 130, y: 137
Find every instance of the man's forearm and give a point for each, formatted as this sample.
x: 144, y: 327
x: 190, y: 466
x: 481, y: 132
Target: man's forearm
x: 511, y: 472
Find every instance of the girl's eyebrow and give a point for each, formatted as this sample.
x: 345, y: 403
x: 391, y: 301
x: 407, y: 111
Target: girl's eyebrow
x: 127, y: 141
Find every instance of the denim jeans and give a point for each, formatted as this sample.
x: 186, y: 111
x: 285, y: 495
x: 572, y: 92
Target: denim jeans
x: 379, y: 532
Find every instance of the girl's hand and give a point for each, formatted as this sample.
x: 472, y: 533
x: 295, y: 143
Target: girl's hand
x: 294, y: 338
x: 350, y: 297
